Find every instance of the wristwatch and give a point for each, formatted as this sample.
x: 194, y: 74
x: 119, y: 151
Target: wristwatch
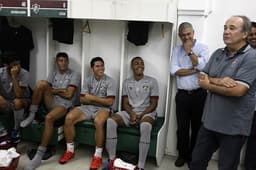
x: 190, y: 53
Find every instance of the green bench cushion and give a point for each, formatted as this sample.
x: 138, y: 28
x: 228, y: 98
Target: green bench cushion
x: 128, y: 138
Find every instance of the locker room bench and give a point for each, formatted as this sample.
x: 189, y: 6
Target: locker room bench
x: 128, y: 138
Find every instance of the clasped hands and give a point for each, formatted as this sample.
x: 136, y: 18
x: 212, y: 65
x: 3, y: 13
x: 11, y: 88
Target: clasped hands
x: 14, y: 71
x: 135, y: 119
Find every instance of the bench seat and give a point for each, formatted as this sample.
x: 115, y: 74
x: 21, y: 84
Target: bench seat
x: 128, y: 138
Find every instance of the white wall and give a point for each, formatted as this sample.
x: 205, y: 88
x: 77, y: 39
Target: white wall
x: 221, y: 11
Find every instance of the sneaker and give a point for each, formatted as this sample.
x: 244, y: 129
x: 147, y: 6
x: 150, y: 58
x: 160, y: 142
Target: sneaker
x: 96, y: 163
x: 180, y: 162
x: 66, y: 157
x: 15, y: 136
x: 108, y: 165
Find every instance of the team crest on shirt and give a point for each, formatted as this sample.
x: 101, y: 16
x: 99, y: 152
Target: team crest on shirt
x: 145, y: 87
x: 234, y: 63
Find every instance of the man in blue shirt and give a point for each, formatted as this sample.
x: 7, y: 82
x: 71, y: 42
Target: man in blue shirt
x: 187, y: 60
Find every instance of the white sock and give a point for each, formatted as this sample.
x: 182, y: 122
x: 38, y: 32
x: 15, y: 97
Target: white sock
x: 28, y: 120
x: 98, y: 152
x: 70, y: 147
x: 32, y: 112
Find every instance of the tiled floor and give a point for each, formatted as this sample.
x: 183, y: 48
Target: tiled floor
x: 83, y: 158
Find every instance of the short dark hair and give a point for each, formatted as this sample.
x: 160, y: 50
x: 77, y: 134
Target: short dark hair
x: 253, y: 24
x: 62, y: 54
x: 10, y: 57
x: 95, y: 59
x: 184, y: 25
x: 136, y: 58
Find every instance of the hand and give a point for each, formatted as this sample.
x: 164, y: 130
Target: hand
x: 133, y: 119
x: 227, y: 82
x: 203, y: 81
x: 14, y: 71
x: 188, y: 44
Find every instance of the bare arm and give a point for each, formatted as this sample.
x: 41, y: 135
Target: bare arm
x: 188, y: 48
x: 65, y: 93
x: 224, y: 86
x: 185, y: 72
x: 18, y: 90
x: 98, y: 101
x: 152, y: 106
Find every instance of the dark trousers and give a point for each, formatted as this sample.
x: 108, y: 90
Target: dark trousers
x: 208, y: 142
x: 250, y: 153
x: 189, y: 109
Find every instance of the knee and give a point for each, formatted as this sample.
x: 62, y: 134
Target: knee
x: 145, y: 127
x: 49, y: 118
x: 145, y: 132
x: 17, y: 104
x: 69, y: 120
x: 99, y: 123
x: 42, y: 84
x: 3, y: 103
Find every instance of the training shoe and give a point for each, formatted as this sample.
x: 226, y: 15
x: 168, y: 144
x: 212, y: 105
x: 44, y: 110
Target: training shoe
x: 66, y: 157
x: 96, y: 163
x: 180, y: 162
x: 15, y: 136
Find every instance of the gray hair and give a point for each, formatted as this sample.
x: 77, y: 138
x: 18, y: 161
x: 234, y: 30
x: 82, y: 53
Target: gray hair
x: 247, y: 23
x: 184, y: 25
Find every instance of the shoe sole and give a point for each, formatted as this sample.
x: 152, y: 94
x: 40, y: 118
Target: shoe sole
x: 66, y: 161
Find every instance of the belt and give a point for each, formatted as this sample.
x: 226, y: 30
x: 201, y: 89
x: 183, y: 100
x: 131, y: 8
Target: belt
x: 190, y: 91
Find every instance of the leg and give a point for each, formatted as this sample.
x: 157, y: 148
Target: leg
x: 73, y: 117
x: 196, y: 115
x: 53, y: 115
x: 145, y: 134
x: 99, y: 122
x: 18, y: 108
x: 250, y: 154
x: 41, y: 93
x: 3, y: 104
x: 183, y: 127
x: 229, y: 152
x: 18, y: 111
x: 206, y: 145
x: 111, y: 136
